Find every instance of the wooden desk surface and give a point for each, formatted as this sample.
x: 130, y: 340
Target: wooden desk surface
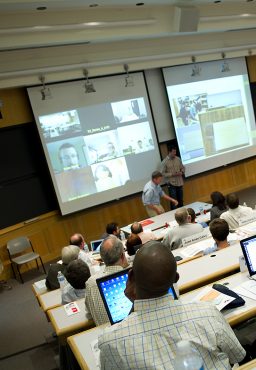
x: 64, y: 324
x: 237, y: 315
x: 214, y: 266
x: 248, y: 366
x: 50, y: 299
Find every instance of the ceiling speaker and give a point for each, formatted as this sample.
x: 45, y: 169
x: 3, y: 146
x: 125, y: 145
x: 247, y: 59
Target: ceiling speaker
x: 185, y: 19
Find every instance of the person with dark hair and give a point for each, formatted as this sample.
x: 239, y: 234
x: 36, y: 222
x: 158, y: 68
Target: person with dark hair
x: 173, y: 238
x: 77, y: 274
x: 218, y: 205
x: 145, y: 236
x: 235, y: 211
x: 112, y: 228
x: 68, y: 157
x: 192, y: 215
x: 219, y: 229
x: 152, y: 193
x: 173, y: 171
x: 113, y: 255
x: 132, y: 241
x: 148, y: 337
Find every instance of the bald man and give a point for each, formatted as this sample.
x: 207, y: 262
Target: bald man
x: 113, y: 255
x: 148, y: 337
x: 78, y: 240
x: 145, y: 236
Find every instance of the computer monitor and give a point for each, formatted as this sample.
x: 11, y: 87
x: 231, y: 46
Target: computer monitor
x: 95, y: 245
x: 111, y: 288
x: 248, y: 246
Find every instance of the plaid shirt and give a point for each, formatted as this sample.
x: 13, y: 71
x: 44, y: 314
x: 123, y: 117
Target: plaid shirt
x: 147, y: 339
x: 93, y: 301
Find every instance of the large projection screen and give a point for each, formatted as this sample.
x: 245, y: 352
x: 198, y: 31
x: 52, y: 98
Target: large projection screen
x: 99, y: 146
x: 212, y: 113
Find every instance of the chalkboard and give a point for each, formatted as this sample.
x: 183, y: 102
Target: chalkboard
x: 26, y: 189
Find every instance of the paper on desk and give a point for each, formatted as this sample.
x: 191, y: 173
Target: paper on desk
x: 196, y: 248
x: 208, y: 294
x: 243, y: 292
x: 96, y: 352
x: 248, y: 288
x: 40, y: 284
x: 71, y: 308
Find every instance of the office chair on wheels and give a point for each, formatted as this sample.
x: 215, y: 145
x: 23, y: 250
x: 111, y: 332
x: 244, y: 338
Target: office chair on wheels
x: 17, y: 246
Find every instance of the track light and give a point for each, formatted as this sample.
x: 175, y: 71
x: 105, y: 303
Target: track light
x: 225, y: 65
x: 196, y: 70
x: 88, y: 85
x: 45, y: 91
x: 128, y: 79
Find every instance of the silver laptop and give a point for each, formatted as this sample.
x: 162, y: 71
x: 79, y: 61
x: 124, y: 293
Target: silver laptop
x: 95, y: 245
x: 248, y: 246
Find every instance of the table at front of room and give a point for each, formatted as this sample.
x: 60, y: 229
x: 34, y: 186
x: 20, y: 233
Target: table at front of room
x: 158, y: 222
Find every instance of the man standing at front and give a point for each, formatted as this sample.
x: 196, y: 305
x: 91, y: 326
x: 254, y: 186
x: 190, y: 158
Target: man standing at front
x: 152, y: 193
x: 173, y: 170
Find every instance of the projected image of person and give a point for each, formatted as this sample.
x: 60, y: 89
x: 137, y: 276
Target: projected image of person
x: 111, y: 152
x: 129, y: 110
x: 68, y: 157
x: 103, y: 178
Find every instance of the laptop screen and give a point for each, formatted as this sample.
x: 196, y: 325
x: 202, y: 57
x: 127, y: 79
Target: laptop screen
x: 95, y: 244
x: 111, y: 288
x: 248, y: 246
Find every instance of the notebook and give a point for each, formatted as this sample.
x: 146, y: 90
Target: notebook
x: 111, y: 288
x: 95, y: 245
x: 248, y: 246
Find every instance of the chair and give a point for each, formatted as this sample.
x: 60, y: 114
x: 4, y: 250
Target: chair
x: 19, y: 245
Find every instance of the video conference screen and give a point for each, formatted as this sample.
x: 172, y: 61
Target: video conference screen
x: 99, y: 146
x: 212, y: 113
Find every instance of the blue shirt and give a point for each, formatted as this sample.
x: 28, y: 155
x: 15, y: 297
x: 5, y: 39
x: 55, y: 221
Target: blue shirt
x: 152, y: 193
x: 211, y: 249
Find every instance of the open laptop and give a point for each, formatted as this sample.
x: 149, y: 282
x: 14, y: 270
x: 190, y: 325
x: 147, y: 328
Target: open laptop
x: 111, y: 288
x: 95, y: 245
x: 248, y: 246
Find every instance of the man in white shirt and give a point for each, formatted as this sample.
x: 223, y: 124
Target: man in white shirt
x: 173, y: 238
x: 136, y: 228
x: 235, y: 211
x: 148, y: 337
x: 113, y: 255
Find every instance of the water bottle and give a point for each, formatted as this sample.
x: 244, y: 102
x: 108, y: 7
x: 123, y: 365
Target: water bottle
x: 122, y: 235
x: 245, y: 205
x: 86, y: 248
x: 187, y: 358
x: 61, y: 279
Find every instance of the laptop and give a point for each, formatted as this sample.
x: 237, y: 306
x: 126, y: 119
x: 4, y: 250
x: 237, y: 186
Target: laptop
x: 95, y: 245
x: 248, y: 246
x: 111, y: 288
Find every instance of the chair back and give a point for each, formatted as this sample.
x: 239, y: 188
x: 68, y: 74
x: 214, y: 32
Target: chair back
x: 18, y: 245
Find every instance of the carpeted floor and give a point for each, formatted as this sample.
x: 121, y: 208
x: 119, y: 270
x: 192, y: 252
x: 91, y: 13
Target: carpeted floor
x: 25, y: 329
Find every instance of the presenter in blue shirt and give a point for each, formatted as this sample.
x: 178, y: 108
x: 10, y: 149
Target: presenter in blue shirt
x: 152, y: 193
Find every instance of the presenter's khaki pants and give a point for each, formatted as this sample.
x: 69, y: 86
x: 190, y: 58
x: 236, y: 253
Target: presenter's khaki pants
x: 151, y: 212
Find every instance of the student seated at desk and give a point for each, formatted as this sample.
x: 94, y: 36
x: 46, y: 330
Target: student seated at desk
x: 68, y: 254
x: 173, y: 238
x: 218, y: 205
x: 235, y: 211
x: 148, y: 337
x: 192, y: 215
x: 219, y: 229
x: 133, y: 243
x: 145, y: 236
x: 77, y: 274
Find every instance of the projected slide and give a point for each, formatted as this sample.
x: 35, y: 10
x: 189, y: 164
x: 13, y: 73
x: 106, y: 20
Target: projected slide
x: 213, y: 116
x: 101, y: 149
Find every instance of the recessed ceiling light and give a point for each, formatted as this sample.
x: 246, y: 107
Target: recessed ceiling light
x: 140, y: 4
x: 41, y: 8
x: 93, y: 5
